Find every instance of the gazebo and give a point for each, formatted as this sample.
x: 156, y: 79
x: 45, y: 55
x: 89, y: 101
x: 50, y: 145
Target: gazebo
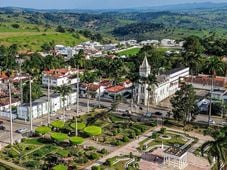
x: 175, y: 157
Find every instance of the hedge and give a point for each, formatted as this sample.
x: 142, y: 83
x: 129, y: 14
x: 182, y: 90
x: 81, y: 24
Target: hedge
x: 76, y: 140
x: 58, y: 124
x: 80, y: 126
x: 42, y: 130
x: 93, y: 130
x: 59, y: 136
x: 60, y: 167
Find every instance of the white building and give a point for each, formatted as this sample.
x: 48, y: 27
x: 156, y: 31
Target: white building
x: 65, y: 51
x: 168, y: 43
x: 59, y: 77
x: 40, y: 106
x: 168, y: 84
x: 149, y: 42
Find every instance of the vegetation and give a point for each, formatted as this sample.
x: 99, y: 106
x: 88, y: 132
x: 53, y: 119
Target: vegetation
x: 183, y: 104
x: 42, y: 130
x: 59, y: 136
x: 93, y: 130
x: 58, y: 124
x: 76, y: 140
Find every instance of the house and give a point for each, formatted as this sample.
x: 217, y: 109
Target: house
x: 95, y: 88
x: 149, y: 42
x: 59, y: 77
x: 168, y: 43
x: 204, y: 82
x: 168, y: 84
x: 40, y: 106
x: 15, y: 77
x: 65, y: 51
x: 122, y: 89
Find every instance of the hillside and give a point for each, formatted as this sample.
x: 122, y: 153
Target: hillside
x: 37, y: 26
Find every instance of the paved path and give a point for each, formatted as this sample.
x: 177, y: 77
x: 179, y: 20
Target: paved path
x: 131, y: 147
x: 126, y: 149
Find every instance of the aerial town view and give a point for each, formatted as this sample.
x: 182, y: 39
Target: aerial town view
x: 113, y: 85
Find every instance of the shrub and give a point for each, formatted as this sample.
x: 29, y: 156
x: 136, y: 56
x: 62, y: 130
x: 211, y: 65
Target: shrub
x: 60, y: 29
x: 12, y: 153
x: 93, y: 130
x: 103, y: 151
x: 80, y: 126
x: 42, y: 130
x: 60, y: 167
x: 58, y: 124
x: 163, y: 131
x: 59, y: 136
x: 32, y: 164
x: 154, y: 135
x: 93, y: 156
x: 132, y: 135
x: 76, y: 140
x: 109, y: 162
x: 95, y: 168
x: 125, y: 139
x: 15, y: 26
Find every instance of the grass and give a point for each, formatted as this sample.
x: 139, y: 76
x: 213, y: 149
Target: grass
x: 129, y: 52
x: 32, y: 41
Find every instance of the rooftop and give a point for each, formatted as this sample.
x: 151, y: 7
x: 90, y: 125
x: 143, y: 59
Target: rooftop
x: 175, y: 151
x: 115, y: 89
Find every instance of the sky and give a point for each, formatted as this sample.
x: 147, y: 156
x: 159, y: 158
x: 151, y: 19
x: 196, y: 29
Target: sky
x: 93, y: 4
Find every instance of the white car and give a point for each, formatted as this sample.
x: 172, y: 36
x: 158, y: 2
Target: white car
x: 61, y: 117
x: 212, y: 122
x: 53, y: 114
x: 223, y: 123
x: 22, y: 130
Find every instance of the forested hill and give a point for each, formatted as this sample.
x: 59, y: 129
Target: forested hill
x: 121, y: 24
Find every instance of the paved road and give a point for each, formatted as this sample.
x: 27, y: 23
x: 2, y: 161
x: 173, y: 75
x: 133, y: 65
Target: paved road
x: 17, y: 124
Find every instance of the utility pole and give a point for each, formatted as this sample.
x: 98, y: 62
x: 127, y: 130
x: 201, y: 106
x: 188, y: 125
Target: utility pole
x: 99, y: 91
x: 21, y: 90
x: 211, y: 95
x: 11, y: 115
x: 77, y: 96
x: 30, y: 91
x: 48, y: 98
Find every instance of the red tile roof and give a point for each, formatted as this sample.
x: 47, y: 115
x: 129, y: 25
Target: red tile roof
x: 207, y: 80
x: 115, y: 89
x: 5, y: 101
x: 56, y: 73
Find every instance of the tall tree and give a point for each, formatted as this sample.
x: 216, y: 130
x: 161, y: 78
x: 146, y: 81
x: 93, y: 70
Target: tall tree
x: 213, y: 65
x: 216, y: 150
x: 36, y: 91
x: 64, y: 91
x: 88, y: 77
x: 183, y: 104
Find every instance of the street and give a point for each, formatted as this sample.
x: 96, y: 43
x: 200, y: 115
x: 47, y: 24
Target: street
x: 17, y: 124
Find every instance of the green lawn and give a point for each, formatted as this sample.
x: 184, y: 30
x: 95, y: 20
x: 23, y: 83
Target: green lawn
x: 32, y: 41
x: 129, y: 52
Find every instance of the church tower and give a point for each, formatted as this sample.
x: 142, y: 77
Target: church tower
x: 144, y: 72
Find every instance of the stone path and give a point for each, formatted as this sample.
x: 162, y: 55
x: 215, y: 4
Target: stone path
x: 131, y: 147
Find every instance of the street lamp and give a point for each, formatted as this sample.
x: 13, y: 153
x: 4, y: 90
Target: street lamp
x: 11, y: 116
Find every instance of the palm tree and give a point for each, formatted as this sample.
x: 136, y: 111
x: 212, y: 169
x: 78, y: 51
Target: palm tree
x: 213, y: 65
x: 216, y: 150
x: 152, y: 82
x: 63, y: 91
x: 134, y: 78
x: 88, y: 77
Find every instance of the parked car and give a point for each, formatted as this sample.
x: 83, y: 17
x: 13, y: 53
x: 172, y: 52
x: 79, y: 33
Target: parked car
x: 68, y: 108
x: 158, y: 113
x: 61, y: 117
x: 22, y: 130
x: 53, y: 114
x: 2, y: 127
x: 1, y: 122
x: 212, y: 122
x: 223, y: 123
x: 148, y: 114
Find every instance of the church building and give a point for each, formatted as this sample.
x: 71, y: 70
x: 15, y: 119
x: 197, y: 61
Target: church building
x: 168, y: 84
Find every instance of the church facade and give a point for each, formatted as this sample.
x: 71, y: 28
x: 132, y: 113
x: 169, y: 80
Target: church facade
x: 168, y: 84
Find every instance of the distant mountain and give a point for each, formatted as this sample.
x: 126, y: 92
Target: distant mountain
x: 176, y: 7
x: 186, y: 7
